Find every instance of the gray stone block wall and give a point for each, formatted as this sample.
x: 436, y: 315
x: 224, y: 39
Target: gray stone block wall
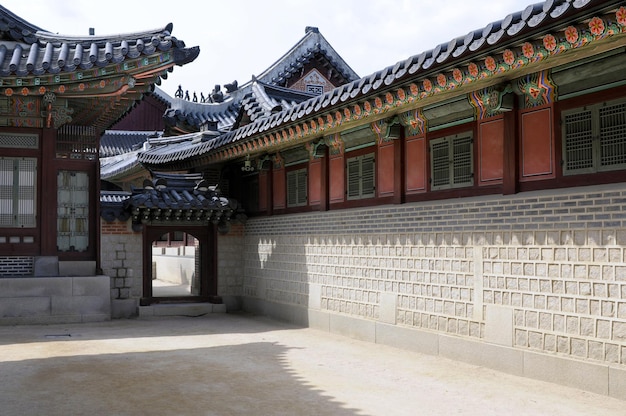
x: 121, y: 259
x: 539, y: 272
x: 230, y: 262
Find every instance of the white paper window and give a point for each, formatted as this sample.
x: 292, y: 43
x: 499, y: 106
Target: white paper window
x: 18, y: 191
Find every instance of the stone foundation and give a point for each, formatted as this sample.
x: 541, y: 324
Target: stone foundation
x: 53, y: 300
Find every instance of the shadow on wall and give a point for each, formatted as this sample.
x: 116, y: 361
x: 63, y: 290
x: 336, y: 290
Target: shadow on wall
x: 252, y: 378
x: 278, y: 282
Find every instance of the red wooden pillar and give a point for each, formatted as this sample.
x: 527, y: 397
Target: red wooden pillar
x: 48, y: 197
x: 279, y: 185
x: 510, y: 154
x: 336, y: 170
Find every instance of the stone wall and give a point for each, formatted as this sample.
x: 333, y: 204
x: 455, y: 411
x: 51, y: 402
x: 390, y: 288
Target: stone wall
x: 121, y: 259
x: 230, y: 266
x: 520, y: 283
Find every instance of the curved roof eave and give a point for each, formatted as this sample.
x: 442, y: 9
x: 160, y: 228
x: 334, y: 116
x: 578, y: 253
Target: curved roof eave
x: 514, y: 29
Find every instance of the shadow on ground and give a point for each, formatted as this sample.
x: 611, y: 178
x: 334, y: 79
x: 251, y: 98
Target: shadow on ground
x: 250, y: 378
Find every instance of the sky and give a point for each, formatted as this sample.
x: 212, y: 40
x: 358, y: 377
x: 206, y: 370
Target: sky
x: 241, y: 38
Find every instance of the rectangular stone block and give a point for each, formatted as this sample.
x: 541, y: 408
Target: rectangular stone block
x: 353, y: 327
x: 407, y: 338
x: 499, y: 325
x: 617, y: 383
x: 90, y: 285
x: 123, y: 308
x: 500, y: 358
x: 27, y: 286
x: 388, y: 307
x: 315, y: 296
x: 45, y: 266
x: 319, y: 320
x: 80, y: 305
x: 77, y: 268
x: 24, y: 307
x: 573, y: 373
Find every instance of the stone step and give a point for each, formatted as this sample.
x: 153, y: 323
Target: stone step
x: 181, y: 309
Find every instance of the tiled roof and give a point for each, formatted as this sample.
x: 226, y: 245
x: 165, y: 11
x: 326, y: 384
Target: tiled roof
x: 261, y: 89
x: 532, y: 22
x: 117, y: 142
x: 171, y: 198
x: 128, y: 65
x: 312, y: 45
x: 264, y: 100
x: 37, y: 51
x: 119, y: 149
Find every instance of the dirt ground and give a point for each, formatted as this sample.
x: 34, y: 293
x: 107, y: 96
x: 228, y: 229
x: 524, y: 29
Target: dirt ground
x: 224, y: 364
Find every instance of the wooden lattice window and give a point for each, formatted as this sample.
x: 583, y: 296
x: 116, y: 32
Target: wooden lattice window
x: 77, y: 142
x: 452, y: 162
x: 297, y: 188
x: 360, y: 174
x: 594, y: 138
x: 18, y: 191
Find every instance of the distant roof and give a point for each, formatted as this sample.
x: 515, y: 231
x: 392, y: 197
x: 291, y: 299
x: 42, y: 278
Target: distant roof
x: 119, y: 149
x: 193, y: 112
x: 117, y: 142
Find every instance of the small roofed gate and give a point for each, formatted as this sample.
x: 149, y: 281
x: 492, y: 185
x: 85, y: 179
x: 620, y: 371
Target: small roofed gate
x: 189, y: 204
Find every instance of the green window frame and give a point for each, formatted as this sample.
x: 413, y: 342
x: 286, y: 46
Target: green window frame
x: 452, y: 162
x: 594, y: 138
x: 297, y: 188
x: 360, y: 172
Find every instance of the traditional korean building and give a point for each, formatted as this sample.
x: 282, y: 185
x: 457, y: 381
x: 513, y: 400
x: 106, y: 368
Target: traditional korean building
x: 58, y: 94
x: 468, y: 201
x: 183, y: 223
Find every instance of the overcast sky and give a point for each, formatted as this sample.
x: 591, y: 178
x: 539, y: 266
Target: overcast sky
x: 239, y: 38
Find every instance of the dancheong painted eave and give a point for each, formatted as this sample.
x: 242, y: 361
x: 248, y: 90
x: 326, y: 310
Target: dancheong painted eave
x: 104, y: 74
x: 542, y: 36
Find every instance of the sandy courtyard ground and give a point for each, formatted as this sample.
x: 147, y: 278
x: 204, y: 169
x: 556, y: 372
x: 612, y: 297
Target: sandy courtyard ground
x: 225, y: 364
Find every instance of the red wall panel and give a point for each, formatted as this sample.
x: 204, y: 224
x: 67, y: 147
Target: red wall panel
x: 337, y: 179
x: 385, y: 167
x: 280, y: 188
x: 315, y: 179
x: 491, y: 152
x: 537, y: 145
x: 415, y: 162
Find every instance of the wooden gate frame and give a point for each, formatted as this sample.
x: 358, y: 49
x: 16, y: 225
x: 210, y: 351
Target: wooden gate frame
x: 207, y: 238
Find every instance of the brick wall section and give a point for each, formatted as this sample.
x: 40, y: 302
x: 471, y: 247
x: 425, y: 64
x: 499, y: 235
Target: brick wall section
x: 230, y: 261
x: 557, y: 259
x: 121, y: 259
x: 16, y: 266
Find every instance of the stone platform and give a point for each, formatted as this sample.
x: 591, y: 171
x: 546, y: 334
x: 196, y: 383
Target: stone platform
x: 59, y: 299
